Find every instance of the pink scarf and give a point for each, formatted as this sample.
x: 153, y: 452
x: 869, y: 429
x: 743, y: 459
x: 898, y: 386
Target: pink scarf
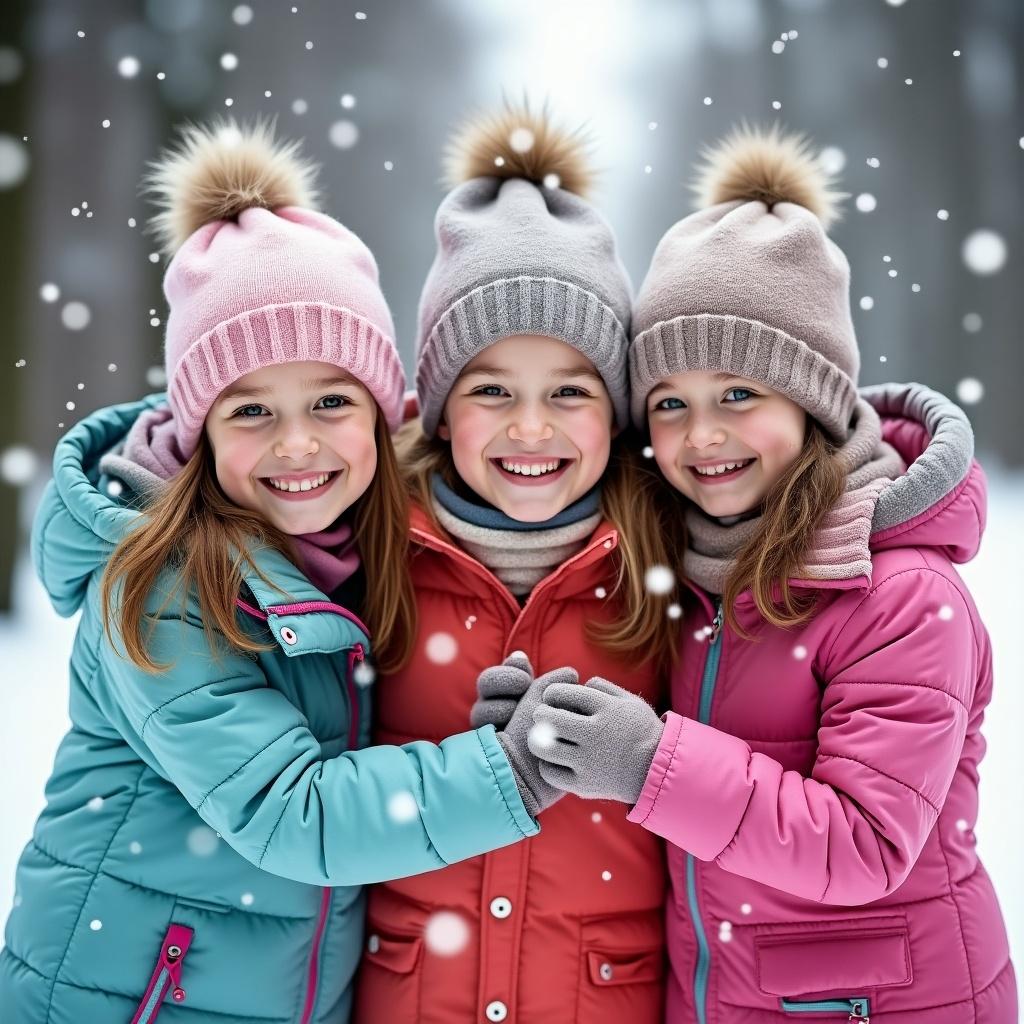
x: 328, y: 557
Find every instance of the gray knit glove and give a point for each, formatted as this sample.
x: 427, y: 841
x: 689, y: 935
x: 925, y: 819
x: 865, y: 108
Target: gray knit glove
x: 499, y: 689
x: 537, y: 794
x: 596, y: 741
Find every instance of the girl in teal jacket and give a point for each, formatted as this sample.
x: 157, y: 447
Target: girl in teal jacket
x: 214, y: 809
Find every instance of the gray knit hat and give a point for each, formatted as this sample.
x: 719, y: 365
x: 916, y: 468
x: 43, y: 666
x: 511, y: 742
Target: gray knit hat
x: 752, y: 285
x: 519, y: 251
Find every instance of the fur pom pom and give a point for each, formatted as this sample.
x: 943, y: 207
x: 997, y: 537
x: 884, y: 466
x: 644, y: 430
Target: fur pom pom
x: 518, y: 142
x: 216, y: 172
x: 752, y: 163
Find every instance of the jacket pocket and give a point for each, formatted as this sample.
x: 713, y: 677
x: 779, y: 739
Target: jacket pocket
x: 166, y: 976
x: 833, y: 967
x: 623, y: 969
x: 388, y: 983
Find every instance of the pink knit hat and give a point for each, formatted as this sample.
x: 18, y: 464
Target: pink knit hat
x: 258, y: 278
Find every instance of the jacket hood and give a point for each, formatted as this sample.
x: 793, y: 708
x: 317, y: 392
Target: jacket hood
x: 78, y: 524
x: 940, y: 501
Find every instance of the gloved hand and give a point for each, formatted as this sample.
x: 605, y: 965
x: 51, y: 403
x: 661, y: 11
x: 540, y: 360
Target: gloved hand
x: 537, y: 794
x: 499, y: 689
x: 601, y: 740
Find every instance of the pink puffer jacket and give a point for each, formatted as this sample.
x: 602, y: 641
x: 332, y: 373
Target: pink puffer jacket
x: 818, y: 787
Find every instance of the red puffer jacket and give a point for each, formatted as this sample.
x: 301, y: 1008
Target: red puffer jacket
x: 567, y: 926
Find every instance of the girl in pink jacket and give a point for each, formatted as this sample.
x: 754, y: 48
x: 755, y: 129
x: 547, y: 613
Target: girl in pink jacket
x: 817, y: 777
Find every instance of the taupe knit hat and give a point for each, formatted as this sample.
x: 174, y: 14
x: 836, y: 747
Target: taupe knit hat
x: 520, y: 251
x: 751, y: 284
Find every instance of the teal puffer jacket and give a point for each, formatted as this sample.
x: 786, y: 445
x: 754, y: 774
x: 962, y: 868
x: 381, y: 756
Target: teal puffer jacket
x: 207, y: 830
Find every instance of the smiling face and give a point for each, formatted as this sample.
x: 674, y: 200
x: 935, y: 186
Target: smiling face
x: 722, y: 440
x: 294, y: 442
x: 530, y: 424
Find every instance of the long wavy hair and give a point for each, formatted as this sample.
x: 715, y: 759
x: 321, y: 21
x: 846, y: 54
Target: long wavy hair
x: 644, y: 628
x: 192, y: 526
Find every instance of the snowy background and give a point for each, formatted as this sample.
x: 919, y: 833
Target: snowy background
x: 916, y: 104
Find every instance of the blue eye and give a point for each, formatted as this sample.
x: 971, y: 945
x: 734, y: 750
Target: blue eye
x: 670, y: 404
x: 249, y: 412
x: 489, y: 391
x: 570, y: 391
x: 333, y: 402
x: 742, y: 394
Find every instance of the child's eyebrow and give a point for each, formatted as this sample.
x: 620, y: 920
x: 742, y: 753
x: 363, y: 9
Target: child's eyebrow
x: 314, y: 384
x: 578, y: 371
x: 487, y: 371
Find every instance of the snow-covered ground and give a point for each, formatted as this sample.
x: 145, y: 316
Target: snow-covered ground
x: 35, y: 644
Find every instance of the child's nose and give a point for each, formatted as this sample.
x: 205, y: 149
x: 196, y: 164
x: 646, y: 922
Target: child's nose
x: 296, y: 442
x: 703, y: 430
x: 530, y: 426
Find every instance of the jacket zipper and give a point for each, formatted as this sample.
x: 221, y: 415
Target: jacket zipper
x: 707, y: 690
x: 858, y: 1007
x: 166, y: 976
x: 355, y: 657
x: 314, y: 958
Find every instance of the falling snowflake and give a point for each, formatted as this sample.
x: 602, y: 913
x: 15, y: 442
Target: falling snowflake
x: 95, y: 804
x: 972, y: 322
x: 873, y: 161
x: 75, y: 316
x: 17, y: 465
x: 648, y: 452
x: 348, y: 101
x: 867, y: 302
x: 49, y: 292
x: 402, y: 807
x: 945, y: 613
x: 970, y: 391
x: 299, y: 107
x: 984, y: 252
x: 866, y: 202
x: 446, y: 933
x: 343, y: 134
x: 202, y: 841
x: 708, y: 101
x: 543, y: 735
x: 596, y: 817
x: 228, y: 61
x: 725, y: 931
x: 363, y: 674
x: 441, y: 648
x: 606, y: 876
x: 156, y: 377
x: 135, y: 847
x: 115, y: 488
x: 778, y: 46
x: 242, y: 14
x: 659, y: 579
x: 95, y: 924
x: 128, y: 67
x: 600, y: 593
x: 521, y: 140
x: 882, y: 62
x: 13, y: 161
x: 674, y: 611
x: 552, y: 181
x: 247, y: 899
x: 745, y: 908
x: 942, y: 214
x: 799, y: 652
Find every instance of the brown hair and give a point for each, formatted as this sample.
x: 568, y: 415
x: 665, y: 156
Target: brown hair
x: 193, y: 526
x: 793, y: 510
x: 644, y: 629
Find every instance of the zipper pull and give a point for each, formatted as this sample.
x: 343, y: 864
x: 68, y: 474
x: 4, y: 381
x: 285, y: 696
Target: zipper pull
x: 859, y: 1012
x: 172, y: 960
x: 716, y: 624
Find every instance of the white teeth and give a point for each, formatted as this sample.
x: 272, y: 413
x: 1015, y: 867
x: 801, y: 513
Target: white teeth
x: 719, y: 470
x: 293, y: 486
x: 537, y: 469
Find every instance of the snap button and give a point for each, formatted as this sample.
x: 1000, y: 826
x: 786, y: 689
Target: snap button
x: 173, y: 952
x: 289, y: 636
x: 373, y: 944
x: 501, y: 907
x: 496, y: 1010
x: 608, y: 545
x: 606, y: 972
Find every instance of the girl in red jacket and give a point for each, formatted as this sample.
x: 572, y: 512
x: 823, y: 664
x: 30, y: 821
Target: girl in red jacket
x: 520, y: 494
x: 817, y: 776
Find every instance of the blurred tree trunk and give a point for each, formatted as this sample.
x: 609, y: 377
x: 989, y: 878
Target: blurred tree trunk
x: 13, y: 110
